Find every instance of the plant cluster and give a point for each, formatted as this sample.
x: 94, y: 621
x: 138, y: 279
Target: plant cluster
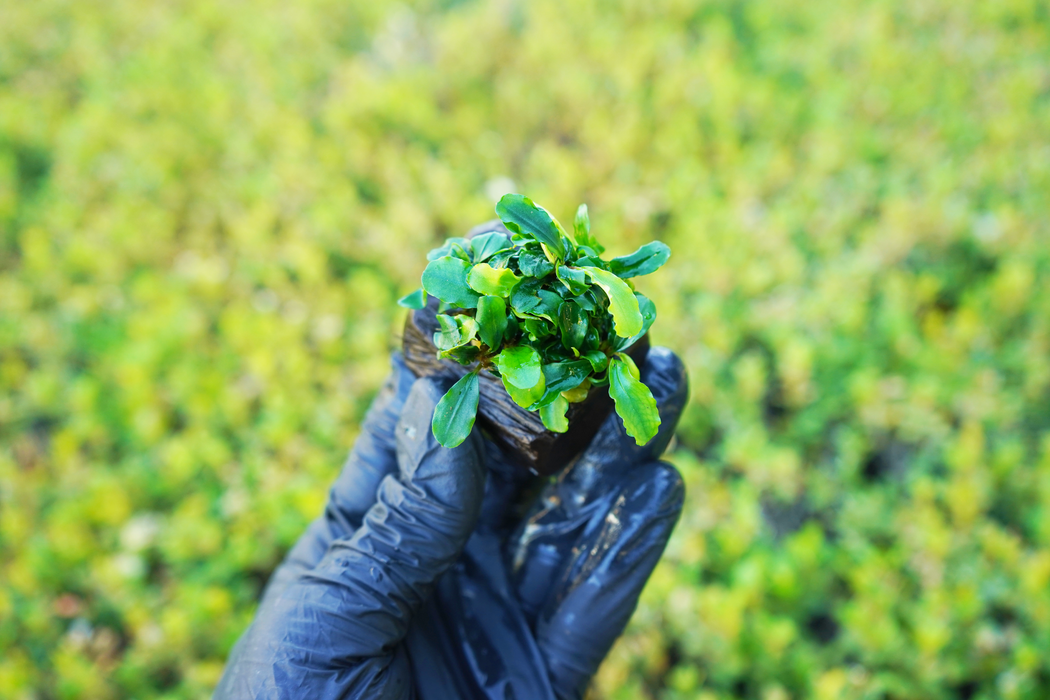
x: 544, y: 312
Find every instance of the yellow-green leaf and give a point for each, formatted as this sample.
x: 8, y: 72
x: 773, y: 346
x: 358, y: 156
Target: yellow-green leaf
x: 627, y: 319
x: 582, y: 225
x: 525, y: 398
x: 485, y: 279
x: 522, y: 374
x: 648, y: 311
x: 553, y: 415
x: 521, y: 366
x: 634, y: 402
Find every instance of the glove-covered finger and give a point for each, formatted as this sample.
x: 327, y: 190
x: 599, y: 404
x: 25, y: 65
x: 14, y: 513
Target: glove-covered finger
x: 353, y: 493
x: 574, y: 506
x: 334, y: 631
x: 598, y: 590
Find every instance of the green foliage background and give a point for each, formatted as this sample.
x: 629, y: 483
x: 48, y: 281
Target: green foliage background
x: 207, y: 210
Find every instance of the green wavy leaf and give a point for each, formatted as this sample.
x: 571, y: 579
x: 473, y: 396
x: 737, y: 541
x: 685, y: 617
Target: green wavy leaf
x: 492, y: 320
x: 446, y: 278
x: 627, y: 319
x: 455, y: 413
x: 634, y: 402
x: 521, y: 215
x: 646, y: 260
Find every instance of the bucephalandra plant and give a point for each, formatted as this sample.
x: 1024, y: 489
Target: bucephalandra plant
x: 541, y: 310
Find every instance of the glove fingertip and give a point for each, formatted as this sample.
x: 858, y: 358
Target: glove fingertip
x: 668, y: 489
x: 454, y: 476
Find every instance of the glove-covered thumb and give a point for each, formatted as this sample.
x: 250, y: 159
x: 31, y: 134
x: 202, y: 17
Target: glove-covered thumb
x: 417, y: 527
x: 335, y: 631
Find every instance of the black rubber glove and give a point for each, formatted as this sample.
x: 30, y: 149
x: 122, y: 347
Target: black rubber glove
x: 419, y: 581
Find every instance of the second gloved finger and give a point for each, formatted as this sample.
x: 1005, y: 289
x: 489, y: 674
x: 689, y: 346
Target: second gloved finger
x: 579, y: 498
x: 334, y: 631
x: 421, y: 519
x: 595, y: 593
x: 354, y: 491
x: 374, y: 454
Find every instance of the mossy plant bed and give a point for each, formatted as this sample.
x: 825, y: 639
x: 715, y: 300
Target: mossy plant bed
x: 541, y: 335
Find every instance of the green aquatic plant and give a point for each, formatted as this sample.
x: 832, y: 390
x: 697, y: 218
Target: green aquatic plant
x: 542, y: 310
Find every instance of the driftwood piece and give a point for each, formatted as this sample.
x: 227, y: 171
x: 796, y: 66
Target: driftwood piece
x: 518, y: 432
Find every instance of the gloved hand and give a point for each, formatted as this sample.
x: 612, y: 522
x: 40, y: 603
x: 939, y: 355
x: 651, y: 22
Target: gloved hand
x: 422, y: 580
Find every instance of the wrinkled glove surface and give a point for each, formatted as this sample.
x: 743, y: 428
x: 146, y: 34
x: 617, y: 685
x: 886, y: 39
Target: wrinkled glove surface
x: 424, y: 579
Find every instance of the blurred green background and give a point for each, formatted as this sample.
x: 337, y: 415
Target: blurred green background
x: 208, y: 208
